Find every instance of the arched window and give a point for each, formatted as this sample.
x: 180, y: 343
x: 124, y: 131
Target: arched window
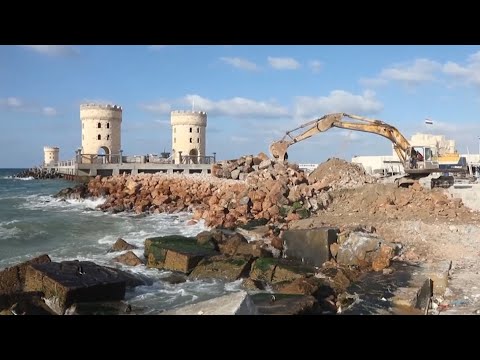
x: 174, y: 140
x: 198, y: 140
x: 108, y: 125
x: 108, y: 137
x: 99, y: 137
x: 198, y: 130
x: 191, y: 140
x: 190, y: 129
x: 99, y: 125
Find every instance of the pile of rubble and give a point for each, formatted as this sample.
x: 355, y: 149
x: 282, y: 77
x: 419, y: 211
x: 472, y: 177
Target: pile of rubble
x: 340, y: 174
x: 238, y: 169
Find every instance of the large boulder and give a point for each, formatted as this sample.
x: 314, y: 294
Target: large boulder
x: 365, y: 250
x: 129, y: 258
x: 121, y: 245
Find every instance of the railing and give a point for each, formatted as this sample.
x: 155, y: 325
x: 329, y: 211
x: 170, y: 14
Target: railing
x: 190, y: 159
x: 135, y: 159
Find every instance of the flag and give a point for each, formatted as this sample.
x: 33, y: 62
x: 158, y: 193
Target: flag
x: 428, y: 122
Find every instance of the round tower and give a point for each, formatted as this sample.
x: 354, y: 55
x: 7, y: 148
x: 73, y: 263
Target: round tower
x: 51, y: 155
x: 101, y: 131
x: 188, y: 135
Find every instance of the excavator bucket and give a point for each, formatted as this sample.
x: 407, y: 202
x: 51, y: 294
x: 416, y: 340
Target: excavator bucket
x: 279, y: 150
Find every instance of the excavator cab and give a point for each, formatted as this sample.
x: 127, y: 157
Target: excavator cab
x: 420, y: 158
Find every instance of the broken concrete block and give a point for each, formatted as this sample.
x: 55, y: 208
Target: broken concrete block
x: 312, y: 246
x: 438, y: 273
x: 12, y: 279
x: 177, y: 253
x: 223, y: 267
x: 238, y: 303
x: 69, y: 282
x: 271, y: 270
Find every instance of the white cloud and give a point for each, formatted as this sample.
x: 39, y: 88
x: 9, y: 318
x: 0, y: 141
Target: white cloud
x: 157, y: 47
x: 468, y: 74
x: 315, y: 66
x: 411, y: 74
x: 12, y: 102
x: 53, y: 50
x: 49, y: 111
x: 16, y: 104
x: 237, y: 107
x: 240, y: 63
x: 283, y: 63
x: 161, y: 107
x: 307, y: 107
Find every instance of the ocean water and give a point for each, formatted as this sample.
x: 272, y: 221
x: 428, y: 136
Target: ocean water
x: 32, y: 223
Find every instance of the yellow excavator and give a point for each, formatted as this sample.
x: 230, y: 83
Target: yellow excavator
x: 417, y: 161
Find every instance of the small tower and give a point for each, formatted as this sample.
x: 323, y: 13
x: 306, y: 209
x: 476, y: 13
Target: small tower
x: 188, y: 135
x: 51, y: 155
x: 101, y: 131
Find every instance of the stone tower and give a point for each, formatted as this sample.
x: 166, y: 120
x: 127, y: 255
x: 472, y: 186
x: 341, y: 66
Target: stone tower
x: 101, y: 131
x: 188, y: 135
x: 51, y: 155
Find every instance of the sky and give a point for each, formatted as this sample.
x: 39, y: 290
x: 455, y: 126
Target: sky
x: 252, y: 95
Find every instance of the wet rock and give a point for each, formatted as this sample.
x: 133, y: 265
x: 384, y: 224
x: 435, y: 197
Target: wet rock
x: 121, y: 245
x: 12, y: 279
x: 312, y: 246
x: 69, y: 282
x: 76, y: 193
x: 31, y: 302
x: 176, y: 253
x: 301, y: 286
x: 175, y: 278
x: 252, y: 285
x: 230, y: 268
x: 284, y: 304
x: 129, y: 258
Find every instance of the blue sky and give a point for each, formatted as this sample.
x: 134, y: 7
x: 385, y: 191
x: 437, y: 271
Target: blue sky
x: 252, y: 94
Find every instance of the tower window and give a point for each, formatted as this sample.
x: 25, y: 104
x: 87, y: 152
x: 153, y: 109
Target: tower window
x: 83, y: 137
x: 174, y: 130
x: 83, y: 126
x: 108, y: 125
x: 174, y: 140
x: 191, y: 140
x: 108, y: 137
x: 190, y: 129
x: 99, y: 125
x: 198, y: 140
x: 99, y: 137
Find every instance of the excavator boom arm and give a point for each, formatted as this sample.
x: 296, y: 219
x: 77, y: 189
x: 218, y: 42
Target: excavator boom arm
x: 401, y: 144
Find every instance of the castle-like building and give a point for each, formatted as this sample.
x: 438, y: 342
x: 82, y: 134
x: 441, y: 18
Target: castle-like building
x: 102, y: 136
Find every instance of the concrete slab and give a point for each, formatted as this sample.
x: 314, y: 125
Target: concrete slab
x: 238, y: 303
x: 311, y: 246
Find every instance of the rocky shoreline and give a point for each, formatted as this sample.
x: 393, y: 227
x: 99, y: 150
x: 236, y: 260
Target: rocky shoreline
x: 255, y: 207
x: 39, y: 173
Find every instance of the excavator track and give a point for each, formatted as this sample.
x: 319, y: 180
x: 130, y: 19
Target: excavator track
x: 443, y: 182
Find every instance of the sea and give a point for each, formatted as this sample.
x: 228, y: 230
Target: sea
x: 33, y: 222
